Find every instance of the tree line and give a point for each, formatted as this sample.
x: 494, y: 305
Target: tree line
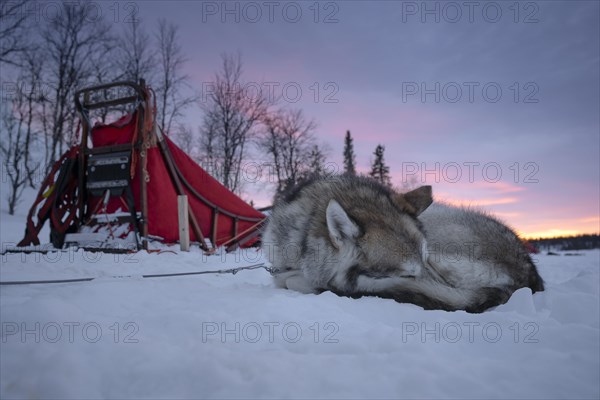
x: 566, y: 243
x: 52, y: 58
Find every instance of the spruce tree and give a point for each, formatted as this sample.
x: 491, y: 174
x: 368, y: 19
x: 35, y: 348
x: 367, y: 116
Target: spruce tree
x: 349, y: 157
x: 316, y: 160
x: 380, y: 171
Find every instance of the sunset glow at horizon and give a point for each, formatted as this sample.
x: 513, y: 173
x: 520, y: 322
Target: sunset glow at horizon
x: 545, y: 230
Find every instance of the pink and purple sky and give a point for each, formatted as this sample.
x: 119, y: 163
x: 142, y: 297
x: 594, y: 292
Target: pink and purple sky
x: 495, y: 105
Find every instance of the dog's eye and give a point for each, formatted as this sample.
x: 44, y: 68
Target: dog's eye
x: 375, y: 274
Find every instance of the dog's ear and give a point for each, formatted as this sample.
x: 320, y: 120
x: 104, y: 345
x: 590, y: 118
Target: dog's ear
x: 419, y: 199
x: 339, y: 224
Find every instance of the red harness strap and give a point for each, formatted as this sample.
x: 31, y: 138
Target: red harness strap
x: 56, y: 199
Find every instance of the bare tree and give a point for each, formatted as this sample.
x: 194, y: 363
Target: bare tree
x: 171, y: 81
x: 135, y: 59
x: 71, y: 44
x: 103, y: 62
x: 184, y: 137
x: 289, y: 141
x: 231, y: 116
x: 207, y: 148
x: 272, y: 142
x: 104, y: 68
x: 31, y: 92
x: 131, y: 60
x: 10, y: 145
x: 15, y: 144
x: 13, y: 30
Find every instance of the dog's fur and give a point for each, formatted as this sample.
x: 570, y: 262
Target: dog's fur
x: 356, y: 237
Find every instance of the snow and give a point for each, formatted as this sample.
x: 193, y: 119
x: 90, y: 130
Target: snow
x: 238, y: 336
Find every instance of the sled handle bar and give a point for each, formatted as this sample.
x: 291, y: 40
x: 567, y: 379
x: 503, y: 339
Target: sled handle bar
x: 107, y: 103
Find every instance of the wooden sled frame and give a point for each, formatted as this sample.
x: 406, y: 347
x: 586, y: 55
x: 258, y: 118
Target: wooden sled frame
x: 83, y: 106
x: 145, y: 136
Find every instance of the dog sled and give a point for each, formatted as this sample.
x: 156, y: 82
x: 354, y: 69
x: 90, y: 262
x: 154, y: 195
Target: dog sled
x: 117, y: 189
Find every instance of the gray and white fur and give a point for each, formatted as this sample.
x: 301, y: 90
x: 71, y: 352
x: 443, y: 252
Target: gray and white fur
x: 356, y: 237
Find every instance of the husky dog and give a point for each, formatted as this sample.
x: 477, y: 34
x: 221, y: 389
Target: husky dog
x: 356, y: 237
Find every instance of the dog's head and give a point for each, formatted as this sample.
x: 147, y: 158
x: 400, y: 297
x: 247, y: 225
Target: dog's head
x: 381, y: 242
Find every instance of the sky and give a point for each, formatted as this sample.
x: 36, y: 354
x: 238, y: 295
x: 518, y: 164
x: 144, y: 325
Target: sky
x: 494, y: 104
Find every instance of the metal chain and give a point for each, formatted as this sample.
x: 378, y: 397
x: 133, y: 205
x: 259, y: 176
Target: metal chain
x: 232, y: 271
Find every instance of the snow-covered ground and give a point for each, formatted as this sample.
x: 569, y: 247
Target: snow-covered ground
x: 237, y: 336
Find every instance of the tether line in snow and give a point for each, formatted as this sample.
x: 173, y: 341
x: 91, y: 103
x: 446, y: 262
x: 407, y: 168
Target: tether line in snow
x: 232, y: 271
